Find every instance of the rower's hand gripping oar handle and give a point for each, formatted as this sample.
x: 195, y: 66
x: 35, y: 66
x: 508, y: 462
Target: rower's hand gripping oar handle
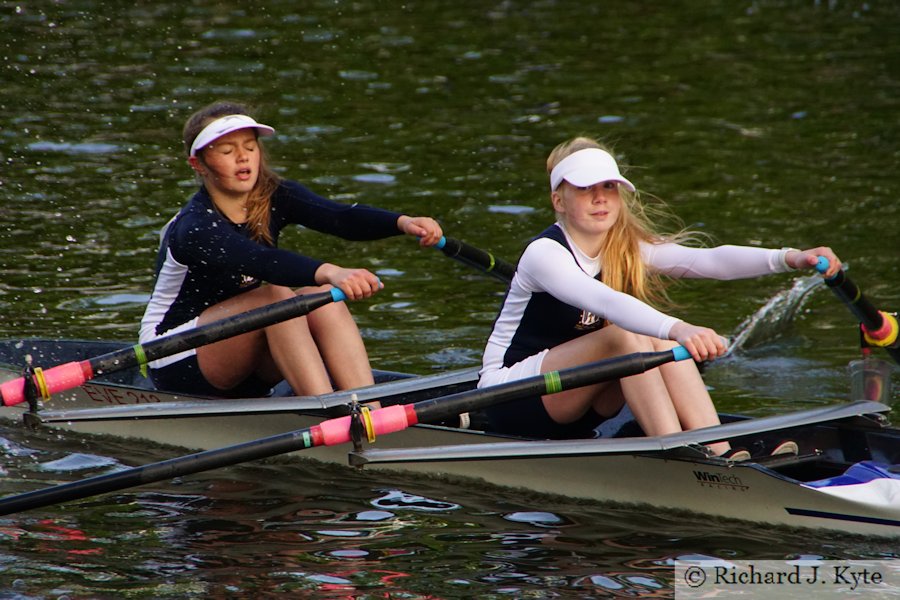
x: 74, y: 374
x: 475, y: 257
x: 879, y: 328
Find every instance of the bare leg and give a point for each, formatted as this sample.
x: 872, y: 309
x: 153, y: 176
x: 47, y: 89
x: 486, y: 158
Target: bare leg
x: 646, y: 393
x: 689, y: 395
x: 286, y: 348
x: 340, y: 344
x: 664, y: 400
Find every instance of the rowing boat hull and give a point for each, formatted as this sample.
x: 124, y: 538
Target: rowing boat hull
x: 746, y: 492
x: 681, y: 480
x: 749, y: 492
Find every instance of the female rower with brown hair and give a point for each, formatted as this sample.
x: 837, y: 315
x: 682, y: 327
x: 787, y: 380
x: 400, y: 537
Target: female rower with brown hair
x: 219, y: 257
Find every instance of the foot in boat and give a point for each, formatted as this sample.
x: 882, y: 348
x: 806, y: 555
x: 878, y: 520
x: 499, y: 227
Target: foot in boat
x: 786, y: 447
x: 736, y: 454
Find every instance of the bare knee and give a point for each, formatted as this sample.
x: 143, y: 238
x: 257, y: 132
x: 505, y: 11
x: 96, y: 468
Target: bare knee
x: 660, y: 344
x: 330, y: 316
x: 621, y: 341
x: 276, y: 293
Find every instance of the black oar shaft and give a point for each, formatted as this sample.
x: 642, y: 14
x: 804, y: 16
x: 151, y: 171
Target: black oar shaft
x: 475, y: 257
x: 251, y: 320
x: 437, y: 409
x: 875, y: 322
x: 160, y: 471
x: 858, y: 304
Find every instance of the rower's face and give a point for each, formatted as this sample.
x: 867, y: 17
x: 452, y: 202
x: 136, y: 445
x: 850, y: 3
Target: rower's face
x: 233, y: 162
x: 591, y: 209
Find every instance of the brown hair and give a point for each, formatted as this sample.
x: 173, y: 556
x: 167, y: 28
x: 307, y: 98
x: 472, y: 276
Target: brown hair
x: 258, y: 202
x: 623, y: 270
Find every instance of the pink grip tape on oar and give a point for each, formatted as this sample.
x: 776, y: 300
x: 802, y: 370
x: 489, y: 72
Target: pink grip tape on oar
x: 56, y: 379
x: 886, y: 335
x: 381, y: 421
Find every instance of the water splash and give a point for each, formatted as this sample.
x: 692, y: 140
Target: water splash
x: 775, y: 316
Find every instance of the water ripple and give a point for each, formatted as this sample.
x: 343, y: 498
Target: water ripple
x: 75, y: 148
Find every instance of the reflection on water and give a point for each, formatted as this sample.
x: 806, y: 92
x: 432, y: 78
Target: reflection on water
x: 762, y: 122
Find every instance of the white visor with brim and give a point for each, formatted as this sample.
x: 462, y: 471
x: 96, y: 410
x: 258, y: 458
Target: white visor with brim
x: 226, y: 125
x: 587, y: 167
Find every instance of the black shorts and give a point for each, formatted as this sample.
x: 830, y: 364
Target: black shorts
x: 185, y: 377
x: 529, y: 418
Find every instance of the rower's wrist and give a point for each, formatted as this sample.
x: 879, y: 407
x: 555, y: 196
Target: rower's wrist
x: 324, y: 272
x: 785, y: 252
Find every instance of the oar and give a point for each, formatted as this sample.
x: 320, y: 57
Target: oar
x: 401, y: 391
x: 338, y: 431
x: 475, y: 257
x: 73, y: 374
x: 879, y: 328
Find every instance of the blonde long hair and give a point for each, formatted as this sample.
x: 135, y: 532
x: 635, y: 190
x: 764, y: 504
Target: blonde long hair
x: 259, y: 200
x: 622, y: 268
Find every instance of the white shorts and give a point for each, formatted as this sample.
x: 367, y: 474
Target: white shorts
x: 528, y: 367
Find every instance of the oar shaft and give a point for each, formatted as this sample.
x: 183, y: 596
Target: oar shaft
x: 436, y: 409
x: 160, y: 471
x: 399, y: 417
x: 864, y: 311
x: 475, y: 257
x: 70, y: 375
x: 879, y: 328
x: 264, y: 316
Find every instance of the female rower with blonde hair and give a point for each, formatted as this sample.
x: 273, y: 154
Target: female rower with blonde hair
x: 219, y: 256
x: 583, y: 291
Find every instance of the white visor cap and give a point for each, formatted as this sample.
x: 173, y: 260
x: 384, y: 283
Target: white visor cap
x: 587, y: 167
x: 226, y: 125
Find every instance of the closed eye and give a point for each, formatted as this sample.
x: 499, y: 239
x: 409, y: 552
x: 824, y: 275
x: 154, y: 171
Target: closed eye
x: 227, y: 149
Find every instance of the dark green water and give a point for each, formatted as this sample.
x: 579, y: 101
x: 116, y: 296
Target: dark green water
x: 763, y: 123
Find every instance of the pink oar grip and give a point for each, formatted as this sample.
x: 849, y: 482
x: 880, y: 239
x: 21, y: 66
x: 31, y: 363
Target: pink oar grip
x: 334, y: 431
x: 393, y: 418
x: 384, y: 420
x: 57, y: 379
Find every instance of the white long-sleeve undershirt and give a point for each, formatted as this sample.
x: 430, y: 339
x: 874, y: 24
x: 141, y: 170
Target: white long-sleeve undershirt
x: 546, y: 266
